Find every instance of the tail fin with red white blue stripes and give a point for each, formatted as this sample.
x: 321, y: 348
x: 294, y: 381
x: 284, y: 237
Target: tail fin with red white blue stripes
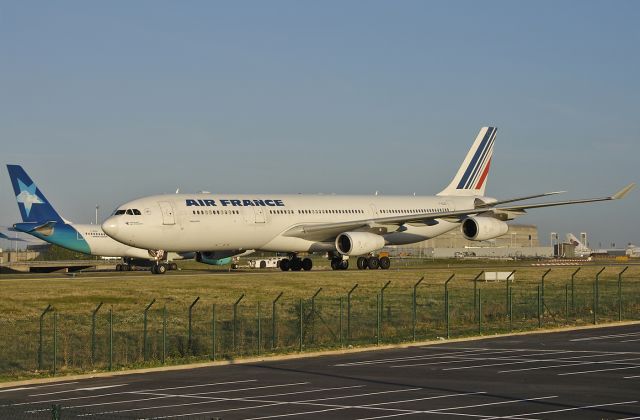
x: 471, y: 178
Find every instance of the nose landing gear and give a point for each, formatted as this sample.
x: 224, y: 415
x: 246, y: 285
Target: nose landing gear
x: 161, y: 265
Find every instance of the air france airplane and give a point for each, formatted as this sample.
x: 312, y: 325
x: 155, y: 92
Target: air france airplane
x: 41, y: 220
x: 220, y: 226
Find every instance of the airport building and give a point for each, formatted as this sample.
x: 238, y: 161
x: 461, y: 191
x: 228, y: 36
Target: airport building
x: 520, y: 242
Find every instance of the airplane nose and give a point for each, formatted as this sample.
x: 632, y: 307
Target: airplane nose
x: 110, y: 226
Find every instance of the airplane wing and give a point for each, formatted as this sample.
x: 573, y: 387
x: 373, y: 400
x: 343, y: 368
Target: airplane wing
x: 328, y: 231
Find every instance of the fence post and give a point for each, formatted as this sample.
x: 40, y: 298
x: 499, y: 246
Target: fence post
x: 595, y: 302
x: 164, y: 333
x: 415, y: 307
x: 510, y: 308
x: 144, y: 336
x: 313, y: 315
x: 110, y: 339
x: 475, y: 292
x: 93, y: 332
x: 573, y: 291
x: 382, y: 299
x: 566, y: 302
x: 542, y: 289
x: 340, y: 326
x: 235, y: 316
x: 300, y: 331
x: 213, y: 332
x: 378, y: 315
x: 479, y: 310
x: 189, y: 341
x: 508, y: 288
x: 274, y: 323
x: 40, y: 349
x: 259, y: 332
x: 597, y: 305
x: 620, y: 293
x: 446, y: 301
x: 349, y: 311
x: 539, y: 314
x: 55, y: 341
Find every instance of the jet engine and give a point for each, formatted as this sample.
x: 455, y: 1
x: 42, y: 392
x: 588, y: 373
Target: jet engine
x: 213, y: 258
x: 481, y: 228
x: 358, y: 243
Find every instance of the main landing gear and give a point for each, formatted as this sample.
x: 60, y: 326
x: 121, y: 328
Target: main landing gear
x: 338, y: 263
x: 295, y: 263
x: 373, y: 263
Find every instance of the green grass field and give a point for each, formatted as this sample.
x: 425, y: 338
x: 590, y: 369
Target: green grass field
x: 325, y: 324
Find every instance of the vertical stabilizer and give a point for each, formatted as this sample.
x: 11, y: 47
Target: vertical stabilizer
x: 472, y: 175
x: 34, y: 206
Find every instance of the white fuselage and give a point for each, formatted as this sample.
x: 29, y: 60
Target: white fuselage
x: 100, y: 244
x: 216, y: 222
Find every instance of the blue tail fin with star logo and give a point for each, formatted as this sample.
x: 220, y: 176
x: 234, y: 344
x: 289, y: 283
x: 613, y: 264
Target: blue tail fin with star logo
x: 34, y: 206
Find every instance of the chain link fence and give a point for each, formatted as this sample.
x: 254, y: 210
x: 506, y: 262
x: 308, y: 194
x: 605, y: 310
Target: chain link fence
x: 109, y: 338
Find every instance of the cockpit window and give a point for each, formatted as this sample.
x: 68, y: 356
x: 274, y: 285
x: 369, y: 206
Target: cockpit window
x: 137, y: 212
x: 119, y: 212
x: 129, y: 211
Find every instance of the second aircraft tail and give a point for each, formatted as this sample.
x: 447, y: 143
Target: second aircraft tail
x: 34, y: 206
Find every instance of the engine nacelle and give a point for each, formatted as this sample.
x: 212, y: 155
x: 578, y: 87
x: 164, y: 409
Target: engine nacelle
x: 482, y: 228
x: 212, y: 258
x: 358, y: 243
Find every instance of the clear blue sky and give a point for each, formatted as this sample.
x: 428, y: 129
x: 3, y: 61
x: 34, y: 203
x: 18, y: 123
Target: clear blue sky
x: 103, y: 102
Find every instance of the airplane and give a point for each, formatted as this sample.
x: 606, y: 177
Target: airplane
x: 41, y: 220
x: 224, y: 225
x: 581, y: 250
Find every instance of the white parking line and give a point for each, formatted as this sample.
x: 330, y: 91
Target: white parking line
x: 571, y: 364
x: 36, y: 387
x: 604, y: 337
x: 210, y: 400
x: 398, y: 359
x: 303, y: 402
x: 94, y: 388
x: 525, y: 416
x: 466, y: 358
x: 164, y: 396
x: 598, y: 370
x: 124, y: 392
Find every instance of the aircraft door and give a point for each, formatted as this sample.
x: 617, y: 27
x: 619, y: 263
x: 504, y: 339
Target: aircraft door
x: 374, y: 210
x: 168, y: 217
x: 259, y: 214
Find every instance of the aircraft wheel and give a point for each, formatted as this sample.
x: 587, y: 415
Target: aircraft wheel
x: 362, y: 263
x: 263, y: 264
x: 344, y: 264
x: 307, y: 264
x: 173, y: 266
x: 118, y: 267
x: 126, y: 267
x: 374, y: 263
x: 284, y: 264
x: 385, y: 263
x: 335, y: 263
x: 161, y: 268
x: 296, y: 264
x: 154, y: 269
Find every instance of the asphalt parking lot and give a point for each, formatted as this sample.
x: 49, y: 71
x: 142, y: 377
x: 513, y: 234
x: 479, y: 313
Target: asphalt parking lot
x: 582, y: 374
